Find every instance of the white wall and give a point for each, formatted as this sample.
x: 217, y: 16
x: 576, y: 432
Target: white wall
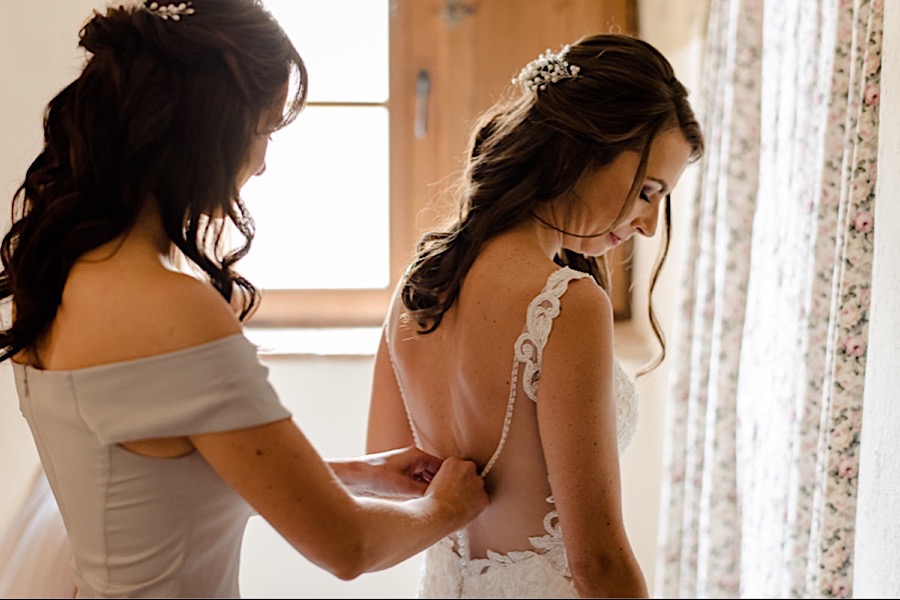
x: 877, y: 553
x: 38, y: 56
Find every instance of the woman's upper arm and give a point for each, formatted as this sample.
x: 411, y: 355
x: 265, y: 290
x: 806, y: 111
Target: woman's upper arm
x: 273, y: 466
x: 577, y: 420
x: 277, y: 471
x: 388, y: 425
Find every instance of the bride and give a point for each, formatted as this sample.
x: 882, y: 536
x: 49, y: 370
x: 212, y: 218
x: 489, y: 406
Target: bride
x: 499, y: 342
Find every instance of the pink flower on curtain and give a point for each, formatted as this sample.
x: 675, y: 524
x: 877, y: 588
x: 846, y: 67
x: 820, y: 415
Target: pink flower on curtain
x: 864, y: 294
x: 851, y: 312
x: 842, y: 436
x: 848, y: 467
x: 863, y: 222
x: 840, y: 587
x: 872, y: 93
x: 855, y: 345
x: 839, y: 502
x: 834, y: 557
x: 867, y: 129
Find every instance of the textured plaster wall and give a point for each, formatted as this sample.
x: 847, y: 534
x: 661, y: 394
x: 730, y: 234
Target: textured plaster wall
x: 878, y: 512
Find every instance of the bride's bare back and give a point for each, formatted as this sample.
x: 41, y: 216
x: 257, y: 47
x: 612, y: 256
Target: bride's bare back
x: 457, y: 383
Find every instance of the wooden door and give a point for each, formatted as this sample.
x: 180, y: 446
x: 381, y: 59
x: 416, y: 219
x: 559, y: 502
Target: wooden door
x: 469, y: 51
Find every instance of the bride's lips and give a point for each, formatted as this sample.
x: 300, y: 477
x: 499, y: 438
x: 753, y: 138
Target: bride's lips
x: 616, y: 240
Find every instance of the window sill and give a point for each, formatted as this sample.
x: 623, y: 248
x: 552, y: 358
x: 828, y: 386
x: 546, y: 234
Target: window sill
x: 631, y: 345
x: 325, y: 341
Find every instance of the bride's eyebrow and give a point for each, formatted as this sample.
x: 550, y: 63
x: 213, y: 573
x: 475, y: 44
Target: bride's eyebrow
x: 664, y: 186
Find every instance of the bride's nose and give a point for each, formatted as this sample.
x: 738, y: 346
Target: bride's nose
x: 645, y: 222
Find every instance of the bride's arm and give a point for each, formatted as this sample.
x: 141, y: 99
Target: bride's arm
x: 577, y: 419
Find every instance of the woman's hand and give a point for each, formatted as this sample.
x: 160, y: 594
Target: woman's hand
x: 403, y: 473
x: 458, y: 485
x: 278, y: 471
x: 411, y: 473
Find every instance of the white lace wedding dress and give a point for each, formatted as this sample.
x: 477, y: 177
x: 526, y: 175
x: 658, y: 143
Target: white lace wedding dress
x: 542, y: 570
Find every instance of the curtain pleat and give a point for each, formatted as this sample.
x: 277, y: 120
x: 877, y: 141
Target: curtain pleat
x: 765, y: 403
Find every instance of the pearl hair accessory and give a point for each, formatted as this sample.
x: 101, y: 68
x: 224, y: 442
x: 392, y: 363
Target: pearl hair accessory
x: 170, y: 11
x: 548, y: 68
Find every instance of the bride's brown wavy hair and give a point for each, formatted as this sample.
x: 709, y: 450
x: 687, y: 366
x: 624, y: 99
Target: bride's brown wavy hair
x: 162, y: 109
x: 532, y: 147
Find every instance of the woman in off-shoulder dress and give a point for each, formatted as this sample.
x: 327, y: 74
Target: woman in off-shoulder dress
x: 156, y: 424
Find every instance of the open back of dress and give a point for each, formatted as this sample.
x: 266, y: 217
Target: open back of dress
x: 541, y: 570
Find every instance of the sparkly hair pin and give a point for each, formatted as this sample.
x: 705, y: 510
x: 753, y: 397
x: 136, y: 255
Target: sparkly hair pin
x: 547, y: 68
x: 170, y: 11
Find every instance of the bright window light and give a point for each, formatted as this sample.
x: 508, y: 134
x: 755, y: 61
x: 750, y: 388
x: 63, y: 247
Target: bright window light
x: 322, y: 207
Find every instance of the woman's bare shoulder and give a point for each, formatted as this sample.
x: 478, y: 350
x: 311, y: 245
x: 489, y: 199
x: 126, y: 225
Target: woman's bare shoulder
x: 520, y: 278
x: 194, y: 307
x: 585, y: 295
x: 583, y: 329
x: 105, y: 318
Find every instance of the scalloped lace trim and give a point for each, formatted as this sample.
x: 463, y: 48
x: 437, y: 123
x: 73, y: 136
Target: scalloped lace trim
x: 543, y: 309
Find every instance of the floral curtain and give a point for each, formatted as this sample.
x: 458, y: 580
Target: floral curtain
x: 765, y: 404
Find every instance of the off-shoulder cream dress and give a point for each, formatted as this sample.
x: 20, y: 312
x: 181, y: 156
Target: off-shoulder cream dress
x: 141, y: 526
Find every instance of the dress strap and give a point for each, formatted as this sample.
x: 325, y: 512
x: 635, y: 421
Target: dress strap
x: 529, y: 348
x: 539, y: 320
x: 507, y: 419
x: 390, y: 349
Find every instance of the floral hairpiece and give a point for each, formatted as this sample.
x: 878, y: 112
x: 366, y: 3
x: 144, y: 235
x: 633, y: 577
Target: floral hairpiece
x: 170, y: 11
x: 547, y: 68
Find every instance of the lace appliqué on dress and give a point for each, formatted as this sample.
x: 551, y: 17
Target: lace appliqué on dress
x: 626, y: 406
x: 529, y: 350
x: 543, y: 309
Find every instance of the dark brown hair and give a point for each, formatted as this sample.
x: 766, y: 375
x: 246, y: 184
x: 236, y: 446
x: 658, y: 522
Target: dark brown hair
x: 532, y: 147
x: 163, y: 109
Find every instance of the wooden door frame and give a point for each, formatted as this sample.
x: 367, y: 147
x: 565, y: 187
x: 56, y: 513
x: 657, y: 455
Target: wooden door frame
x: 423, y: 37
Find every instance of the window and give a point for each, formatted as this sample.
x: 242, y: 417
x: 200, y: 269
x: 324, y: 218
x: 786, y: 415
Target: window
x: 353, y: 183
x: 322, y: 209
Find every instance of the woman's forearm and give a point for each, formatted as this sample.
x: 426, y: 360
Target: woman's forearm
x: 354, y: 474
x: 398, y: 473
